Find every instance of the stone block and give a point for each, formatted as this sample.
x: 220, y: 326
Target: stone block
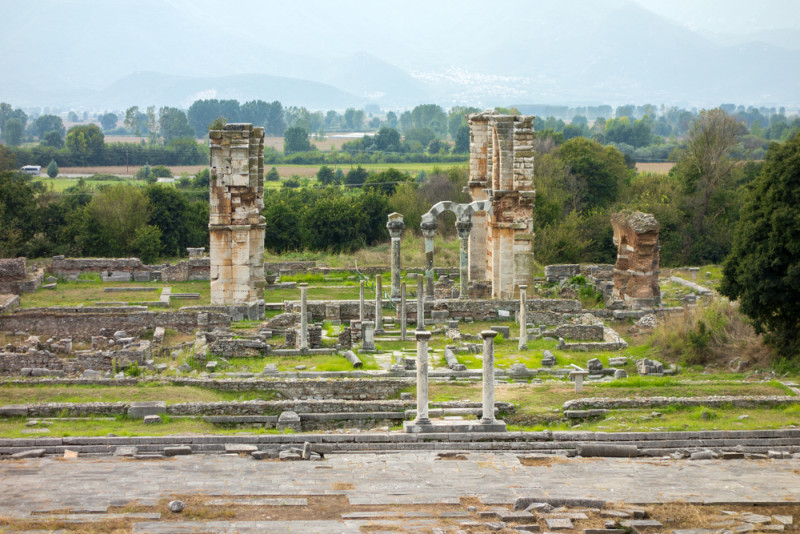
x: 138, y: 410
x: 152, y: 420
x: 180, y: 450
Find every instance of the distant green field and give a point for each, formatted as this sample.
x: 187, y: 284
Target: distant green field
x: 60, y: 184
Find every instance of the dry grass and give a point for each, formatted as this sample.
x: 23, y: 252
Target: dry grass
x: 656, y: 168
x: 713, y: 333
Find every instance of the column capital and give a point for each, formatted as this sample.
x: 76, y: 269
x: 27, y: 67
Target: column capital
x: 422, y: 335
x: 302, y: 285
x: 485, y: 334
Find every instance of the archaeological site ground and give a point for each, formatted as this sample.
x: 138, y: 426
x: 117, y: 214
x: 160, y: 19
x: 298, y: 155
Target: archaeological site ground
x: 223, y: 393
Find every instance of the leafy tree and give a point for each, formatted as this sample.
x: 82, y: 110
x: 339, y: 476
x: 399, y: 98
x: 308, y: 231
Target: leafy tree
x: 295, y: 139
x: 599, y: 172
x: 391, y: 119
x: 17, y: 209
x: 385, y: 182
x: 12, y: 132
x: 387, y: 140
x: 763, y: 269
x: 86, y: 143
x: 283, y: 222
x: 167, y: 212
x: 52, y: 169
x: 7, y: 160
x: 132, y: 121
x: 462, y: 140
x: 146, y: 244
x: 108, y: 120
x: 330, y: 222
x: 53, y: 139
x: 706, y: 165
x: 357, y: 176
x: 72, y: 116
x: 423, y: 136
x: 48, y: 123
x: 275, y: 124
x: 272, y: 175
x: 173, y: 124
x: 152, y: 124
x: 112, y: 219
x: 354, y: 119
x: 325, y: 175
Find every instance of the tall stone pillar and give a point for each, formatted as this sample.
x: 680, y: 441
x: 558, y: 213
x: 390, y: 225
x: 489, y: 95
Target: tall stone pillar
x: 523, y: 317
x: 396, y: 227
x: 429, y: 232
x: 420, y: 304
x: 464, y: 227
x: 236, y: 227
x: 403, y: 317
x: 488, y: 376
x: 378, y: 304
x: 422, y: 377
x: 361, y: 301
x: 303, y: 316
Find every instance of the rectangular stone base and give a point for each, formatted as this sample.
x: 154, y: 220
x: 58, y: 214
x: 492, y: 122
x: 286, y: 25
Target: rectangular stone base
x: 454, y: 426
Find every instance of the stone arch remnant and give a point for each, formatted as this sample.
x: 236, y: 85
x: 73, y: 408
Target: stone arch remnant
x: 496, y: 228
x: 637, y: 268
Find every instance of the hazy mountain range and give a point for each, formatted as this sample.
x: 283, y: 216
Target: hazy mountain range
x: 98, y: 54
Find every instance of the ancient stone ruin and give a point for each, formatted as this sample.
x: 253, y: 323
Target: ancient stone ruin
x: 496, y: 228
x: 637, y: 268
x: 235, y: 224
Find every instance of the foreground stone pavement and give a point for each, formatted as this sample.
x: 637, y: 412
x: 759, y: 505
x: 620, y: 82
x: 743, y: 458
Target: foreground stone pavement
x: 90, y: 485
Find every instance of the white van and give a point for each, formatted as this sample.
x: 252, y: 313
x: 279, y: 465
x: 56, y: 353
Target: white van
x: 32, y: 169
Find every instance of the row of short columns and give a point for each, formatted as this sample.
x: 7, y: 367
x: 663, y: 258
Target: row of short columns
x: 423, y: 336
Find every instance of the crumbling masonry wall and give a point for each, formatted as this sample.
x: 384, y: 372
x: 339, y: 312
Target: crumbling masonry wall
x: 501, y: 171
x: 236, y: 226
x: 637, y: 268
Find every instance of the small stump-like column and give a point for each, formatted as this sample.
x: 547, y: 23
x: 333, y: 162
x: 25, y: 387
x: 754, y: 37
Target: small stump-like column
x: 429, y: 232
x: 578, y: 376
x: 396, y: 227
x: 523, y: 317
x: 464, y: 228
x: 403, y: 318
x: 368, y: 337
x: 303, y: 316
x: 378, y: 304
x: 422, y: 377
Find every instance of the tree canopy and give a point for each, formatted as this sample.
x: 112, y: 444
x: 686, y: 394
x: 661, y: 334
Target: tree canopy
x: 763, y: 269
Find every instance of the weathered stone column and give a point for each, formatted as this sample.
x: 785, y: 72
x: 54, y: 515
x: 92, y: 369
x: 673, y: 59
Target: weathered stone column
x: 378, y: 304
x: 464, y: 228
x: 303, y: 316
x: 422, y: 377
x: 403, y: 318
x: 396, y: 227
x: 361, y: 301
x: 420, y: 304
x: 488, y: 376
x: 523, y: 317
x: 429, y: 232
x: 368, y: 336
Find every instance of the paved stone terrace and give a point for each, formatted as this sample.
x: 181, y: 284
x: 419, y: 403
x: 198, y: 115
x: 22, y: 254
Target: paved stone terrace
x: 86, y: 486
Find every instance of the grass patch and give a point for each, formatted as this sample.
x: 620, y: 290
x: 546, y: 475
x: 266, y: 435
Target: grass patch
x: 327, y: 362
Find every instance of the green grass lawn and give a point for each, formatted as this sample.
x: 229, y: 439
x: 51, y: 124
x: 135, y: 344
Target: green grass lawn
x: 89, y: 292
x: 332, y: 362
